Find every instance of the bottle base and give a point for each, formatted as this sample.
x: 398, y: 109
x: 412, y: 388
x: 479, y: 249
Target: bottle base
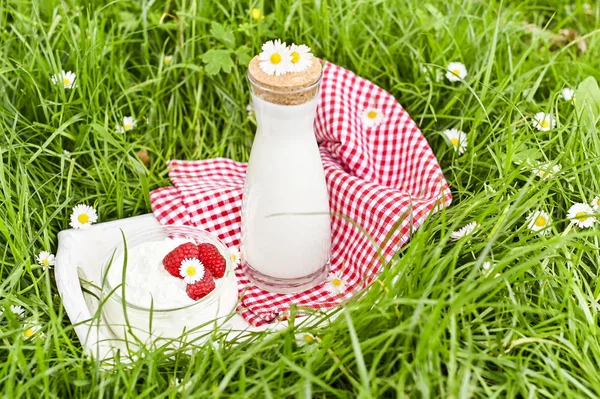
x: 286, y: 285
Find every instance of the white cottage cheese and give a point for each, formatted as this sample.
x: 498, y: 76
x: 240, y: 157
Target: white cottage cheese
x: 146, y: 278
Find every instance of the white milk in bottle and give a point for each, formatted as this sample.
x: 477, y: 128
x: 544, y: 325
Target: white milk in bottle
x: 285, y: 215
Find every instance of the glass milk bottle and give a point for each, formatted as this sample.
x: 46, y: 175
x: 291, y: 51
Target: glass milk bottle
x: 286, y: 235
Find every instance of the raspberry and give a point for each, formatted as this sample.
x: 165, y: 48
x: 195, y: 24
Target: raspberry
x: 212, y: 259
x: 201, y: 288
x: 173, y: 260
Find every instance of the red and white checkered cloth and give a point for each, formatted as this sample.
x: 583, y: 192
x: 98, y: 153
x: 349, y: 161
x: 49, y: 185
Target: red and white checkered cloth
x: 386, y: 179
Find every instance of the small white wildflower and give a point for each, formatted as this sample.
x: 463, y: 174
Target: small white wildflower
x: 538, y: 221
x: 306, y: 339
x: 456, y: 72
x: 46, y: 259
x: 458, y: 139
x: 596, y: 204
x: 567, y: 94
x: 30, y: 331
x: 545, y: 170
x: 275, y: 58
x: 17, y: 310
x: 67, y: 79
x: 464, y: 231
x: 301, y: 58
x: 236, y: 256
x: 181, y: 386
x: 581, y: 215
x: 372, y: 117
x: 83, y: 216
x: 487, y: 267
x: 192, y: 270
x: 128, y: 124
x: 429, y: 70
x: 543, y: 121
x: 335, y: 283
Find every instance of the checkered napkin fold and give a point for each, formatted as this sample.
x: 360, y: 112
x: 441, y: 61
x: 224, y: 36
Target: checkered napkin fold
x: 381, y: 174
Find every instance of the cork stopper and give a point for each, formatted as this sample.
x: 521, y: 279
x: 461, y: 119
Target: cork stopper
x: 292, y: 88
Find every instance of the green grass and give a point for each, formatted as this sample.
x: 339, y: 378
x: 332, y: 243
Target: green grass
x: 443, y: 328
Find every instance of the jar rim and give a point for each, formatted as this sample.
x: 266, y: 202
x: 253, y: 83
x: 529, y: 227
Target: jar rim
x: 148, y: 234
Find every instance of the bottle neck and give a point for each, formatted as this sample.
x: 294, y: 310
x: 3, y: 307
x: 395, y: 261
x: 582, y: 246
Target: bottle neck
x: 275, y: 119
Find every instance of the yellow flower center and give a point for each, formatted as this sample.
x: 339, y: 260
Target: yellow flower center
x: 127, y: 126
x: 456, y: 72
x: 167, y: 60
x: 540, y: 221
x: 83, y: 218
x: 191, y: 271
x: 45, y: 262
x: 336, y: 282
x: 66, y: 80
x: 372, y: 114
x: 308, y: 338
x: 545, y: 123
x: 295, y: 57
x: 275, y: 58
x: 581, y: 216
x: 598, y: 201
x: 28, y: 333
x: 454, y: 141
x: 255, y: 13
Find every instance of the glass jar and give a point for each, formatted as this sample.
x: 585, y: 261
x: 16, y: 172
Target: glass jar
x: 148, y: 322
x: 286, y: 235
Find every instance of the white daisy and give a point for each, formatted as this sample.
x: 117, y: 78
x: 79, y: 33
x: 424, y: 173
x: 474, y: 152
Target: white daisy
x: 181, y: 387
x: 372, y: 117
x: 301, y: 57
x: 275, y: 58
x: 458, y: 139
x: 167, y: 59
x: 45, y: 259
x: 128, y: 124
x: 192, y: 270
x: 581, y: 215
x: 30, y: 331
x: 538, y: 221
x: 306, y: 339
x: 428, y: 70
x: 464, y: 231
x: 17, y: 310
x: 487, y: 267
x: 83, y: 216
x: 544, y: 170
x: 596, y: 204
x: 67, y: 79
x: 456, y: 71
x: 567, y: 94
x: 543, y: 121
x: 236, y: 256
x: 335, y: 284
